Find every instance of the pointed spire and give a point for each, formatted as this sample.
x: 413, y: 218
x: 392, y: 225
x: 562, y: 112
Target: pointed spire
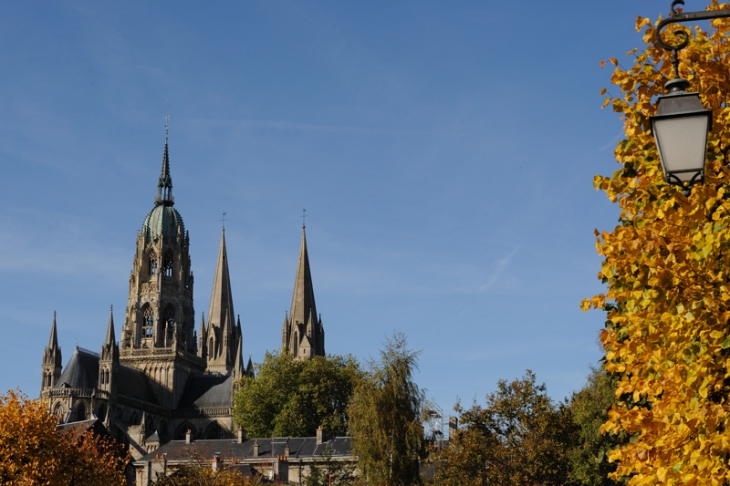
x: 53, y: 340
x: 110, y: 350
x: 164, y: 186
x: 302, y: 305
x: 221, y: 300
x: 238, y: 368
x: 110, y: 328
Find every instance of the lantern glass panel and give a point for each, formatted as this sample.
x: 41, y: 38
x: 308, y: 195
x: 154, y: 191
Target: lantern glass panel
x: 682, y: 142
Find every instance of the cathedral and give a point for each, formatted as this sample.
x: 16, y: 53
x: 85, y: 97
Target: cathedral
x: 162, y: 379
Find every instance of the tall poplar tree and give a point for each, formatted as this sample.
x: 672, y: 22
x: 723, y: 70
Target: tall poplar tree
x: 385, y: 418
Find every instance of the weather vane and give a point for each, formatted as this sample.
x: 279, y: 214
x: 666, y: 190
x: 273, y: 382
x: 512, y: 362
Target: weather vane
x: 167, y: 119
x: 304, y: 218
x: 223, y: 220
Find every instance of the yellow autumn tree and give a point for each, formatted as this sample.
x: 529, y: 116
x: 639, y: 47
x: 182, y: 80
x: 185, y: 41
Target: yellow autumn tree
x: 667, y: 266
x: 34, y: 452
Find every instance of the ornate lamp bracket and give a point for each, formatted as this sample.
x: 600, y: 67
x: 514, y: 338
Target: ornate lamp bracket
x: 680, y: 17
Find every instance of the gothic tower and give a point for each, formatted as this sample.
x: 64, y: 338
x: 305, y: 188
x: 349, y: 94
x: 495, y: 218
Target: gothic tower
x: 221, y: 339
x: 51, y: 368
x: 302, y: 335
x: 158, y: 334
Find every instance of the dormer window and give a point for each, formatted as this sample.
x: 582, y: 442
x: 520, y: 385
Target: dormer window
x: 168, y: 264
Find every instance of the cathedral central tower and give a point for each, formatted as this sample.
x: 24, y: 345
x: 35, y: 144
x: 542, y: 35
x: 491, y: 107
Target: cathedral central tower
x: 158, y: 334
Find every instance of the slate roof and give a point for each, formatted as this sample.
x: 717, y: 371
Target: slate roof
x: 94, y: 424
x: 82, y: 370
x: 205, y: 390
x: 132, y: 383
x: 299, y: 447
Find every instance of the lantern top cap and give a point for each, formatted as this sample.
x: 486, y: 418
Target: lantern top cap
x: 677, y: 85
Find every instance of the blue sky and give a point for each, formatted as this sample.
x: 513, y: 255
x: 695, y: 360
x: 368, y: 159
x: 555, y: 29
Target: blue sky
x: 444, y: 152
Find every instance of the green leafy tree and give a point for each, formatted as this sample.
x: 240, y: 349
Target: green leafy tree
x: 291, y: 398
x: 590, y: 406
x: 385, y: 418
x: 520, y: 437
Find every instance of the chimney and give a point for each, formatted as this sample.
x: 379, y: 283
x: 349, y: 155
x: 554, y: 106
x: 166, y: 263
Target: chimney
x: 216, y: 464
x: 256, y: 449
x: 286, y: 451
x: 320, y: 434
x: 241, y: 434
x: 188, y: 436
x: 453, y: 426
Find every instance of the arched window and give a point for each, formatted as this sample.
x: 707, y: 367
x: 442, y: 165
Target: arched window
x: 210, y: 349
x: 167, y: 264
x: 296, y: 344
x: 80, y: 412
x: 169, y: 319
x: 101, y: 412
x: 214, y: 431
x: 152, y: 264
x: 148, y: 325
x: 58, y: 412
x: 185, y: 327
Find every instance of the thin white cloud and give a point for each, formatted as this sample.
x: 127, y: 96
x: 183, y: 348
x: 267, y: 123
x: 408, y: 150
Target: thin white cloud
x: 502, y: 264
x: 612, y: 143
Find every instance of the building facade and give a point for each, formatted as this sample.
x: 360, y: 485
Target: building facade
x: 163, y: 379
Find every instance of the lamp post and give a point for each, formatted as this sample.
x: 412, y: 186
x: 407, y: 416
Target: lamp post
x: 681, y: 123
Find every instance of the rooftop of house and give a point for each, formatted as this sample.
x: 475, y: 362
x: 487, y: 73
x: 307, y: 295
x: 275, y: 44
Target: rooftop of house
x: 299, y: 447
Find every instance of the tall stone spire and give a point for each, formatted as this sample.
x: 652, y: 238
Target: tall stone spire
x: 303, y: 334
x: 164, y: 186
x: 302, y: 304
x: 220, y: 315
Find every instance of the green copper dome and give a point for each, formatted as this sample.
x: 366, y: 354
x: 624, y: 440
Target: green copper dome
x: 163, y: 221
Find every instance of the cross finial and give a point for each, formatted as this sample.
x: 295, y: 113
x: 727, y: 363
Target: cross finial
x: 304, y: 218
x: 167, y: 120
x: 111, y: 308
x: 223, y: 220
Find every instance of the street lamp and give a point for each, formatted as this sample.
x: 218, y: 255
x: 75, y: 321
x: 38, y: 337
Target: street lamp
x: 681, y: 123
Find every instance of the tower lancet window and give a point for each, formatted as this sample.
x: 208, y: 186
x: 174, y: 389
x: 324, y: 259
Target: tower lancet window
x: 168, y: 264
x: 153, y: 264
x: 169, y: 318
x: 148, y: 324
